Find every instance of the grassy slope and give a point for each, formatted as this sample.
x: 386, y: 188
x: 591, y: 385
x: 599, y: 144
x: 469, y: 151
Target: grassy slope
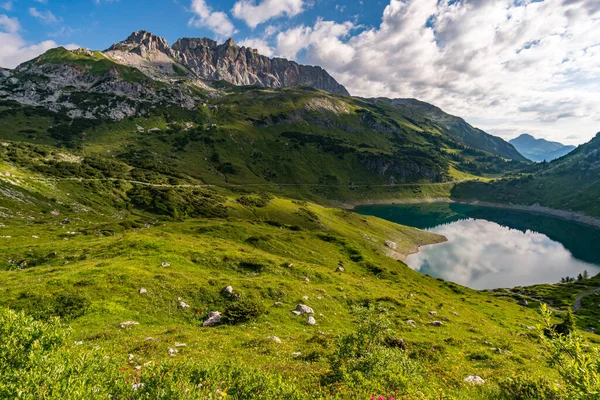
x: 260, y: 137
x: 254, y: 257
x: 569, y: 183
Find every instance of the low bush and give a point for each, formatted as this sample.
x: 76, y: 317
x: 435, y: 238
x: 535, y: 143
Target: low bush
x: 243, y: 310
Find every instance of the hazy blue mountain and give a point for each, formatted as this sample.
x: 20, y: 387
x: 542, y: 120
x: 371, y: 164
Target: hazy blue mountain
x: 539, y: 150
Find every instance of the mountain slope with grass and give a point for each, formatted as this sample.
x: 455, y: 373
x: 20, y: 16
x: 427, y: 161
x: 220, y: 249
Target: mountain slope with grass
x: 137, y: 268
x: 570, y: 183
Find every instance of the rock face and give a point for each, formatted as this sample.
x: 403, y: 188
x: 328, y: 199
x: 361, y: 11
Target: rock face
x: 144, y: 44
x: 240, y: 66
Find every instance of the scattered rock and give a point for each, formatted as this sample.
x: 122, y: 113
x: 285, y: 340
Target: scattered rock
x: 79, y: 343
x: 180, y: 344
x: 171, y: 352
x: 214, y: 318
x: 454, y: 313
x: 35, y: 237
x: 306, y: 279
x: 182, y: 303
x: 140, y: 129
x: 340, y: 269
x: 523, y: 302
x: 165, y: 264
x: 275, y: 339
x: 474, y: 380
x: 432, y: 312
x: 131, y: 357
x: 304, y: 297
x: 65, y: 221
x: 228, y: 290
x: 391, y: 245
x: 411, y: 323
x: 304, y: 309
x: 311, y: 320
x: 143, y: 291
x: 153, y: 130
x: 56, y: 213
x: 296, y: 354
x: 127, y: 324
x: 437, y: 323
x: 137, y: 386
x: 296, y: 312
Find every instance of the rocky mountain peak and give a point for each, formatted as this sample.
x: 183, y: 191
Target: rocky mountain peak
x: 144, y: 44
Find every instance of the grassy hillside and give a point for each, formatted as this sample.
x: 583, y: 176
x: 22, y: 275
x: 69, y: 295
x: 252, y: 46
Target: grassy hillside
x: 421, y: 113
x: 328, y: 147
x: 569, y: 183
x: 88, y: 268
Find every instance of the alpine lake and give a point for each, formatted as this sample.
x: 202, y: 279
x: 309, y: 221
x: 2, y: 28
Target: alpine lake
x: 491, y: 248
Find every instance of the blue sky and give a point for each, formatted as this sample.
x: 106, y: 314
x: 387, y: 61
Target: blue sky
x: 98, y: 24
x: 506, y: 66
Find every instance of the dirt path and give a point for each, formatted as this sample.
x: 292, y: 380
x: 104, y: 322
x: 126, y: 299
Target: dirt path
x: 529, y: 298
x: 577, y: 304
x: 236, y: 185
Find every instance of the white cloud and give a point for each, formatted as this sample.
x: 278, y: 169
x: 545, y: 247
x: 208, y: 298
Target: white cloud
x: 45, y: 16
x: 216, y: 21
x: 14, y: 50
x: 513, y: 67
x: 7, y: 5
x: 9, y: 25
x: 255, y: 14
x: 259, y: 44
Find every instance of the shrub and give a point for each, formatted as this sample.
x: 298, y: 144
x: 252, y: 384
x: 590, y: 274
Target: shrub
x: 36, y: 364
x: 364, y: 359
x: 576, y: 362
x: 243, y: 310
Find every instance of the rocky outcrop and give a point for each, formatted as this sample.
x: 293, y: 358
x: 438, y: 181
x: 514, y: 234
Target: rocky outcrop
x: 67, y: 87
x: 238, y: 65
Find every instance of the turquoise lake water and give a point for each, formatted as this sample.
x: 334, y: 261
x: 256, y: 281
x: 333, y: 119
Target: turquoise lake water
x: 491, y: 247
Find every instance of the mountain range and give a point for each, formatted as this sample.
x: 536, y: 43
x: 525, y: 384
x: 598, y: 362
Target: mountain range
x: 227, y: 102
x: 539, y: 150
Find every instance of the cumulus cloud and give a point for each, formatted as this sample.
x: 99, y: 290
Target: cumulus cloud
x: 259, y: 44
x: 216, y: 21
x: 9, y: 25
x: 14, y: 50
x: 515, y: 66
x: 255, y: 14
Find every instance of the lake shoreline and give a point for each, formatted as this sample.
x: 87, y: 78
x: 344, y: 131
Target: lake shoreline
x: 535, y: 209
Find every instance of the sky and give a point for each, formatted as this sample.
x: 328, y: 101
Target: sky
x: 506, y: 66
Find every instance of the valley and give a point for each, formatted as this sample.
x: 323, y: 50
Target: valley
x: 175, y: 223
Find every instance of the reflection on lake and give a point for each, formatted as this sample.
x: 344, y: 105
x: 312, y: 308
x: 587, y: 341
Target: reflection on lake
x: 491, y: 248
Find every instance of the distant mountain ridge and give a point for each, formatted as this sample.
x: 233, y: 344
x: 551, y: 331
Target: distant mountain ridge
x: 539, y: 150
